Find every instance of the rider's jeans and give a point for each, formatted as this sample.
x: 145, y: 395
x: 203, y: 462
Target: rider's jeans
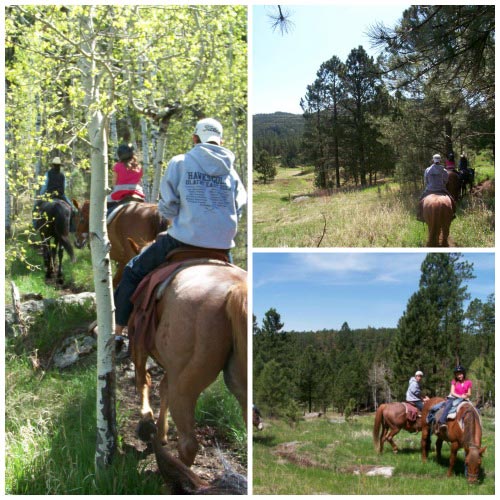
x: 136, y: 269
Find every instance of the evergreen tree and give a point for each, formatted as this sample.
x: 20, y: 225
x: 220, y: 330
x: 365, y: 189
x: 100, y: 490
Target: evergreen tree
x: 265, y: 167
x: 272, y: 389
x: 430, y: 331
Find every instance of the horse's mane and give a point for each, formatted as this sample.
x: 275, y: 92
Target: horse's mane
x: 471, y: 421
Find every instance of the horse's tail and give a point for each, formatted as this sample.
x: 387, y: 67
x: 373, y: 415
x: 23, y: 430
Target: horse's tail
x: 237, y: 312
x: 377, y: 433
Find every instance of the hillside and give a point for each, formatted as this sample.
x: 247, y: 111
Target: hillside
x: 278, y: 133
x: 280, y: 124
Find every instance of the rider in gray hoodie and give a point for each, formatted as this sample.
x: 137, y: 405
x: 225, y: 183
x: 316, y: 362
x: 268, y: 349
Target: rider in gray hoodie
x: 202, y: 197
x: 414, y: 392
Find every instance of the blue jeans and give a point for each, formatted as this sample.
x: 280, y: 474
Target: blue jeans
x: 419, y: 404
x: 136, y: 269
x: 446, y: 410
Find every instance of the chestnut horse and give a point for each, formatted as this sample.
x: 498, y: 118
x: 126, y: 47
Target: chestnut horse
x: 140, y: 221
x: 463, y: 432
x: 202, y: 330
x: 389, y: 420
x: 454, y: 184
x: 438, y: 214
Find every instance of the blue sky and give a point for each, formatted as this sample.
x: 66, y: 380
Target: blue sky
x: 315, y: 291
x: 283, y: 66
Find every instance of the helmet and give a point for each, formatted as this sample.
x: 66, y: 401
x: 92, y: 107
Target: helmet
x: 459, y: 369
x: 125, y: 152
x: 451, y: 157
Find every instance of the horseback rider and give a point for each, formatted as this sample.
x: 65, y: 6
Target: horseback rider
x: 463, y: 164
x: 55, y: 187
x: 127, y: 175
x: 450, y: 162
x: 435, y: 179
x: 414, y: 391
x: 461, y: 388
x: 202, y: 196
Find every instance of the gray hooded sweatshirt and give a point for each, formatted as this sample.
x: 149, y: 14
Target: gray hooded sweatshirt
x: 414, y: 392
x: 202, y: 194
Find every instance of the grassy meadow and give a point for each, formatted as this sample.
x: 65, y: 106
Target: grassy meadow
x: 291, y: 212
x: 323, y: 456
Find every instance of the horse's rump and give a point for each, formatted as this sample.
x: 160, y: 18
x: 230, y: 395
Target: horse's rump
x: 146, y: 314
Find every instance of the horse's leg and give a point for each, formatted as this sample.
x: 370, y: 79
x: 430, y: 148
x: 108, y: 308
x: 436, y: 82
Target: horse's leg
x: 433, y: 237
x: 162, y: 418
x: 453, y: 456
x: 46, y: 260
x: 393, y: 431
x: 446, y: 233
x: 182, y: 406
x: 60, y: 251
x: 425, y: 443
x: 439, y: 445
x: 383, y: 438
x: 143, y: 382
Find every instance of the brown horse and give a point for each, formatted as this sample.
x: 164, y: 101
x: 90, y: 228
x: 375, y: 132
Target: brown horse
x: 202, y: 330
x: 438, y: 214
x: 463, y: 432
x: 454, y: 184
x: 389, y: 420
x: 140, y: 221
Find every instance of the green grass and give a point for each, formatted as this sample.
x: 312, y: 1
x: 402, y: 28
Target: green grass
x: 289, y: 212
x: 50, y: 436
x: 328, y: 452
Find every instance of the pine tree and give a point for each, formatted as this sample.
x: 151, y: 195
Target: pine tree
x: 430, y: 331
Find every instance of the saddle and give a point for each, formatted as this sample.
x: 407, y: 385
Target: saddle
x: 143, y: 324
x: 412, y: 412
x: 115, y: 208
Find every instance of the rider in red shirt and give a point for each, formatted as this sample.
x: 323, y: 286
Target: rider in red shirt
x: 127, y: 175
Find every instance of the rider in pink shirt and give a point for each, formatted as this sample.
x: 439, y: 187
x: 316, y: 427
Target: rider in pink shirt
x: 461, y: 388
x: 127, y: 175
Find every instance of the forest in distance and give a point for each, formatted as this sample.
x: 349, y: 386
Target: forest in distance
x: 358, y: 369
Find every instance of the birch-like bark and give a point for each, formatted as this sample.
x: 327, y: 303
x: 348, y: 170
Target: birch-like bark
x: 101, y: 265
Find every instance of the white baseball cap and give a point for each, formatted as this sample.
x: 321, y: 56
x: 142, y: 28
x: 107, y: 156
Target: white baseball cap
x: 209, y: 130
x: 56, y: 161
x: 436, y: 158
x: 419, y: 373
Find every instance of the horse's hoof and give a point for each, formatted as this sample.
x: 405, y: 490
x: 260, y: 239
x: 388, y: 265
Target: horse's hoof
x: 146, y: 430
x: 395, y: 452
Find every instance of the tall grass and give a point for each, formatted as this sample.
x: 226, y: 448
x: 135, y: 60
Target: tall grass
x: 328, y: 452
x: 50, y: 436
x: 289, y: 212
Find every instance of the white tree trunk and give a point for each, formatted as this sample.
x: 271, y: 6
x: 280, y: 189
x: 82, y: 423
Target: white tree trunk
x: 8, y: 200
x: 101, y: 265
x: 158, y: 164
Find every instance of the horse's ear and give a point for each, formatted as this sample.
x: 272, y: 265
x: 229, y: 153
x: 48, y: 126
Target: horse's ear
x: 482, y: 450
x: 76, y: 204
x: 134, y: 246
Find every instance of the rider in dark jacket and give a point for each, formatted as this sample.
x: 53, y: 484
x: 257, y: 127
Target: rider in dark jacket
x: 55, y: 187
